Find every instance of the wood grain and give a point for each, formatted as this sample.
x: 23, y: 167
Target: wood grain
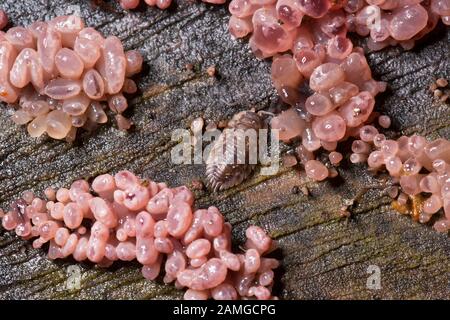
x: 324, y: 256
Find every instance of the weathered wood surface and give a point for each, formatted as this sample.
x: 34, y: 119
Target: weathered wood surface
x: 324, y: 256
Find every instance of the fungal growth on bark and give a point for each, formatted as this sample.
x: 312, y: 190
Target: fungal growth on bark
x: 282, y: 25
x: 123, y: 217
x: 61, y: 75
x: 161, y: 4
x: 420, y: 167
x: 318, y: 72
x: 328, y: 85
x: 440, y: 89
x: 342, y: 102
x: 3, y: 19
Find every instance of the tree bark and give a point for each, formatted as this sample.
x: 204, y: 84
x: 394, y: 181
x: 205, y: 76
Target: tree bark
x: 324, y: 256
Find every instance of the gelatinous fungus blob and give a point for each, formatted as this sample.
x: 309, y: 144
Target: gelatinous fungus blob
x: 422, y: 169
x: 316, y: 51
x: 62, y: 75
x: 158, y: 226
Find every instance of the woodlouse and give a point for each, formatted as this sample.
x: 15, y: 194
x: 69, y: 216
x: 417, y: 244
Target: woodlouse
x: 228, y: 172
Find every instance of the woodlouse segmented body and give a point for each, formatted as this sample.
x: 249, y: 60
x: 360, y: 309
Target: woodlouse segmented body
x: 223, y: 171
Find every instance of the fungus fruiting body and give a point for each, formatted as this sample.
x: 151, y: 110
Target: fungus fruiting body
x: 123, y: 217
x: 61, y: 75
x: 3, y: 19
x: 311, y: 51
x: 420, y: 167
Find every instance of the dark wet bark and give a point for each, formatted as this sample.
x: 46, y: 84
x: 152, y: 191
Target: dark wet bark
x: 324, y: 255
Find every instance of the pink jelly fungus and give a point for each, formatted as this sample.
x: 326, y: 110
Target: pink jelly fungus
x: 335, y: 157
x: 316, y: 170
x: 316, y: 51
x: 420, y: 167
x: 3, y: 19
x: 289, y: 123
x: 59, y: 74
x: 151, y: 223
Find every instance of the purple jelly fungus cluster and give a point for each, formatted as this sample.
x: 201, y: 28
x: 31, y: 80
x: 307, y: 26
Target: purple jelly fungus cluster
x: 123, y: 217
x: 61, y: 75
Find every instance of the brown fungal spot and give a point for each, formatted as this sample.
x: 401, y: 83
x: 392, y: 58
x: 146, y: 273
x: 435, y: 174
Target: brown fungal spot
x: 211, y: 71
x: 441, y: 82
x: 437, y: 93
x: 416, y: 206
x: 189, y: 66
x: 400, y: 208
